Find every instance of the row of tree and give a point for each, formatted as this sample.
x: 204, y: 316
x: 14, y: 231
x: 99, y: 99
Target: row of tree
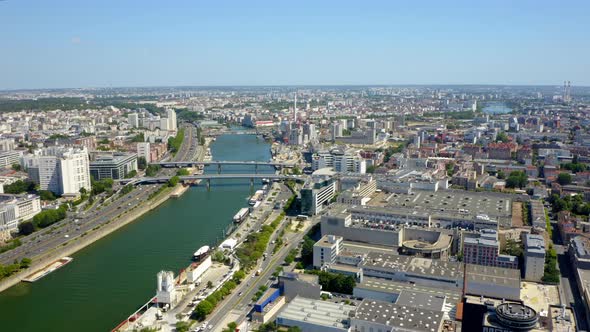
x: 206, y: 306
x: 43, y: 219
x: 8, y: 270
x: 175, y: 142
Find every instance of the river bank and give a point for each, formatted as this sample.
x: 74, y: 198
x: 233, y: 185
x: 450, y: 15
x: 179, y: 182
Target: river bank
x: 109, y: 278
x: 81, y: 242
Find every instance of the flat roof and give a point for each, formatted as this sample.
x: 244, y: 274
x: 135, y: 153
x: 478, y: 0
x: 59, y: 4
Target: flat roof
x: 449, y: 202
x: 495, y: 275
x: 419, y: 299
x: 399, y: 316
x: 414, y: 265
x: 396, y: 287
x: 324, y: 242
x: 318, y: 312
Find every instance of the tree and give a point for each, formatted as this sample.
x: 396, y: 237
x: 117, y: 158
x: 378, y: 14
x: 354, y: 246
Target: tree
x: 371, y: 169
x: 239, y: 276
x: 209, y: 284
x: 19, y: 187
x: 17, y: 167
x: 47, y: 195
x: 182, y: 326
x: 182, y: 172
x: 517, y: 179
x: 564, y: 179
x: 502, y: 137
x: 138, y: 138
x: 141, y: 163
x: 25, y: 263
x: 307, y: 251
x: 131, y: 174
x: 203, y: 309
x: 152, y: 170
x: 294, y: 329
x: 26, y: 228
x: 231, y: 327
x: 500, y: 174
x: 173, y: 181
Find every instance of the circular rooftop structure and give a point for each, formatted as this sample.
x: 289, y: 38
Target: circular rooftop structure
x: 518, y: 317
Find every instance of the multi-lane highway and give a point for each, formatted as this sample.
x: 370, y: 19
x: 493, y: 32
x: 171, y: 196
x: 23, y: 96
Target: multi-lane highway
x: 78, y: 224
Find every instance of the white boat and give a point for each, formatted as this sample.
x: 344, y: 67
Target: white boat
x: 201, y: 252
x: 241, y: 215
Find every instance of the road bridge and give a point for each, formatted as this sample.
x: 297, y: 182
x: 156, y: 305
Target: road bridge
x: 219, y: 163
x: 209, y: 177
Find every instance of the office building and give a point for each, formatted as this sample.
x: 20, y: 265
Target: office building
x: 534, y: 257
x: 316, y: 194
x: 326, y: 250
x: 15, y: 209
x: 61, y: 170
x: 164, y: 124
x: 113, y: 166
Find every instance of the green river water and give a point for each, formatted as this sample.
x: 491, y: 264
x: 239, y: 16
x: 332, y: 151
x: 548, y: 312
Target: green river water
x: 110, y: 279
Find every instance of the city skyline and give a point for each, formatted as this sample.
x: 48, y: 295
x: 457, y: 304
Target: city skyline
x: 107, y: 44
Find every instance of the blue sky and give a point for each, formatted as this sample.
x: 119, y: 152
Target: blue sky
x: 54, y: 43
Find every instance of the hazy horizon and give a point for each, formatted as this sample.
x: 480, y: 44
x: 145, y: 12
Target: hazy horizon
x: 67, y: 44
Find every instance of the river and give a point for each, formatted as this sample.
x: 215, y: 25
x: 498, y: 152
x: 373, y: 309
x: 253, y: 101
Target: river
x: 496, y: 108
x: 111, y: 278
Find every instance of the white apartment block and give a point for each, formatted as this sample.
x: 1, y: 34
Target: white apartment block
x: 340, y: 161
x: 133, y: 120
x: 172, y: 123
x: 143, y: 150
x: 326, y: 250
x: 59, y: 169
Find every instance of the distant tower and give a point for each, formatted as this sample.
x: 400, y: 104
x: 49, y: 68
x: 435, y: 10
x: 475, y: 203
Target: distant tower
x: 567, y: 91
x: 295, y: 109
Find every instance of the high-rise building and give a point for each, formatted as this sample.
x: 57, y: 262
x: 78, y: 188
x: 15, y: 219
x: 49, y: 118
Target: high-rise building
x: 164, y: 124
x: 315, y: 194
x: 61, y: 170
x: 143, y: 150
x: 172, y: 124
x: 133, y: 119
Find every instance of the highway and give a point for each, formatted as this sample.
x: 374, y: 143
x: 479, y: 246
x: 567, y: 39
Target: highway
x: 238, y: 303
x: 78, y: 224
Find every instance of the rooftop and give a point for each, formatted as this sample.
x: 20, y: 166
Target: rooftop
x: 399, y: 316
x: 414, y: 265
x: 317, y: 312
x: 495, y: 275
x: 419, y: 299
